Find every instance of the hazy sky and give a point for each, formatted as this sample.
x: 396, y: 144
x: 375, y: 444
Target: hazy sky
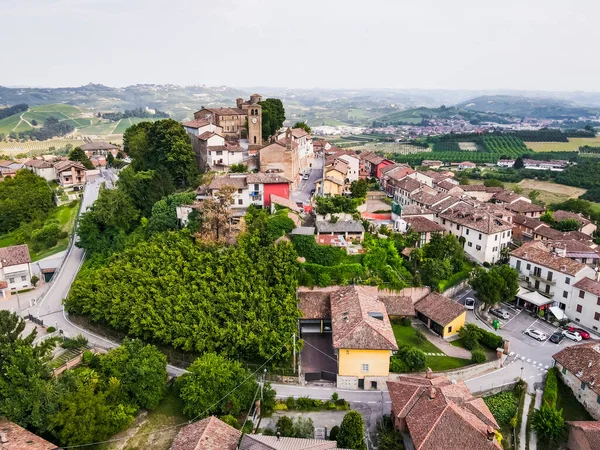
x: 446, y: 44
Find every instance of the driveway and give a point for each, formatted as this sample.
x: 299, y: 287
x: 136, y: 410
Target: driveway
x: 317, y: 354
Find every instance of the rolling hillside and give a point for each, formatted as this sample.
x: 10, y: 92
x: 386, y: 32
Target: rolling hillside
x: 528, y: 107
x: 416, y: 115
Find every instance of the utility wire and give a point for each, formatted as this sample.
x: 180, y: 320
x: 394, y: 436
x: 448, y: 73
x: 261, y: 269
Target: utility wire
x: 183, y: 423
x: 330, y: 357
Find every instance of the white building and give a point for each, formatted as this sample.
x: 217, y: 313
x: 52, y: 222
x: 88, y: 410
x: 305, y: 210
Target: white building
x: 198, y: 127
x: 15, y: 269
x: 353, y: 162
x: 584, y: 306
x: 485, y: 234
x: 550, y: 275
x: 41, y: 168
x: 506, y: 162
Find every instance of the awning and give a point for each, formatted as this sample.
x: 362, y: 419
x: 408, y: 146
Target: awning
x: 534, y: 298
x: 558, y: 313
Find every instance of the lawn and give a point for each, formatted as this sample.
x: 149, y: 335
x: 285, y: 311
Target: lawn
x: 66, y: 218
x: 549, y: 192
x: 573, y: 144
x: 406, y: 335
x: 168, y: 413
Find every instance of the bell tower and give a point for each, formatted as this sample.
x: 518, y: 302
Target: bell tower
x: 254, y: 123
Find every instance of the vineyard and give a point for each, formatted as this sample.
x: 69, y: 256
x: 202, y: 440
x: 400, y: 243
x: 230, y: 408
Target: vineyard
x: 505, y: 146
x: 396, y: 148
x: 446, y: 147
x: 547, y: 135
x: 32, y: 148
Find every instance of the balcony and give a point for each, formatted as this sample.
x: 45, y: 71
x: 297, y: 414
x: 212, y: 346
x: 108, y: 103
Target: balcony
x: 549, y: 294
x: 542, y: 279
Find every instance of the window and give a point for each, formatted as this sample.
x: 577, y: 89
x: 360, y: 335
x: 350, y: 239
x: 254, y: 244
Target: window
x: 528, y: 266
x: 11, y: 280
x: 457, y: 226
x: 496, y: 237
x: 562, y: 306
x: 240, y: 191
x: 564, y: 370
x: 23, y: 278
x: 479, y: 236
x: 550, y: 276
x: 449, y: 329
x: 596, y: 316
x: 519, y: 264
x: 478, y: 247
x: 567, y: 280
x: 495, y: 249
x: 470, y: 244
x: 582, y: 386
x: 365, y: 368
x: 443, y: 221
x: 467, y: 232
x: 598, y: 301
x: 240, y: 201
x: 579, y: 308
x: 256, y: 187
x: 581, y: 294
x: 598, y: 399
x: 565, y: 294
x: 219, y: 153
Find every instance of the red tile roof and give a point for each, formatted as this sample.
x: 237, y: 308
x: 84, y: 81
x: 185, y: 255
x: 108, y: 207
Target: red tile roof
x: 583, y: 361
x: 522, y: 206
x: 18, y: 438
x: 588, y: 285
x: 14, y: 255
x: 537, y: 252
x: 587, y: 432
x: 423, y: 225
x: 64, y: 165
x: 439, y: 308
x: 207, y: 434
x: 197, y: 123
x: 564, y: 215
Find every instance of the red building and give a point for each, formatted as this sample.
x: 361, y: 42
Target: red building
x: 265, y: 184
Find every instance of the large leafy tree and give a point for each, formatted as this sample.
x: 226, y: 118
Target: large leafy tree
x: 302, y: 125
x: 273, y: 116
x: 27, y: 391
x: 145, y: 188
x: 499, y: 283
x: 212, y: 377
x: 352, y: 432
x: 106, y: 224
x: 141, y: 369
x: 79, y: 155
x: 164, y: 212
x: 23, y: 198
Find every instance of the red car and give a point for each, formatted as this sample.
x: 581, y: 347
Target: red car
x: 584, y: 334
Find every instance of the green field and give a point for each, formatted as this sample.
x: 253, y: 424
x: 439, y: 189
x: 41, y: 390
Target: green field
x: 573, y: 144
x: 9, y: 123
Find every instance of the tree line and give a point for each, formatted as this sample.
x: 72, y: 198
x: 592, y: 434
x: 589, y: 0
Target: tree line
x: 136, y: 112
x: 52, y: 128
x: 15, y: 109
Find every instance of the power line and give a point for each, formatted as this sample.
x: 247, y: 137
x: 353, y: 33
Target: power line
x: 189, y: 421
x: 330, y: 357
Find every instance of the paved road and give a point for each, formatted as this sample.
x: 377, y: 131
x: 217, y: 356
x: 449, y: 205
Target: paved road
x: 302, y: 194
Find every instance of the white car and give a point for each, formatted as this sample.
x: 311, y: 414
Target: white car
x: 573, y: 335
x: 499, y: 312
x: 536, y: 334
x: 470, y: 303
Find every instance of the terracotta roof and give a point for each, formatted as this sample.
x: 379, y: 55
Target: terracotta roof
x: 207, y: 135
x: 397, y: 305
x: 286, y: 203
x: 448, y: 202
x: 91, y: 146
x: 588, y: 431
x: 507, y: 196
x: 549, y: 233
x: 476, y: 219
x: 5, y: 163
x: 283, y: 143
x: 299, y: 132
x: 479, y: 188
x: 414, y: 210
x: 266, y: 178
x: 529, y: 222
x: 237, y: 181
x: 522, y: 206
x: 441, y: 415
x: 197, y: 123
x: 564, y: 215
x: 572, y: 246
x: 408, y: 184
x: 38, y: 164
x: 447, y: 185
x: 583, y: 361
x: 18, y: 438
x: 64, y: 165
x: 14, y: 255
x: 262, y: 442
x: 386, y: 169
x: 537, y: 252
x: 207, y: 434
x: 226, y: 111
x: 439, y: 308
x: 353, y: 323
x: 315, y: 304
x: 338, y: 165
x: 588, y: 285
x: 423, y: 225
x: 371, y: 158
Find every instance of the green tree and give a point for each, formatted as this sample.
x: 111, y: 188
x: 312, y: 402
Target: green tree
x: 239, y: 168
x: 359, y: 188
x: 285, y: 426
x: 567, y: 225
x: 27, y: 391
x: 105, y: 225
x: 534, y: 195
x: 412, y: 357
x: 110, y: 159
x: 548, y: 422
x: 488, y: 286
x: 433, y: 271
x: 547, y: 217
x: 141, y: 369
x: 34, y: 280
x: 210, y: 378
x: 87, y: 412
x: 304, y: 428
x: 145, y: 188
x: 518, y: 163
x: 273, y: 116
x: 164, y: 212
x: 302, y: 125
x: 352, y: 432
x: 493, y: 183
x: 79, y: 155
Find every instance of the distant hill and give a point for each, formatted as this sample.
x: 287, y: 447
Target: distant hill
x: 418, y: 115
x: 528, y: 107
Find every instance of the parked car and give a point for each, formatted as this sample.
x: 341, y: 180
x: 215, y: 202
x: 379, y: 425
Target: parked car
x: 557, y: 337
x: 312, y: 191
x: 470, y: 303
x: 536, y: 334
x: 584, y: 334
x: 305, y: 176
x: 499, y: 312
x: 573, y: 335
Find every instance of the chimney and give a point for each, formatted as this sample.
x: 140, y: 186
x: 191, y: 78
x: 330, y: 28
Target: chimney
x: 428, y: 373
x: 432, y: 392
x: 597, y: 274
x: 491, y: 433
x: 278, y: 434
x: 563, y: 268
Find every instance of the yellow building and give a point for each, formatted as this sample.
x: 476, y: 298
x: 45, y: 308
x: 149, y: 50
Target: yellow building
x: 441, y: 315
x: 335, y: 179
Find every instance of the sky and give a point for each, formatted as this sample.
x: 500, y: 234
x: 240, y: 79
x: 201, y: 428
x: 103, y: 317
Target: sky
x: 548, y: 45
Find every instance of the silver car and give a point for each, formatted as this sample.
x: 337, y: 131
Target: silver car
x: 498, y: 312
x: 536, y: 334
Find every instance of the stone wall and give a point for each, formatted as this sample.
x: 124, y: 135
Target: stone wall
x: 454, y: 290
x: 347, y: 382
x: 495, y: 390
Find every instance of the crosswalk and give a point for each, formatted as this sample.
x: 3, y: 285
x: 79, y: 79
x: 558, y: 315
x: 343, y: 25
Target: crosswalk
x: 538, y: 365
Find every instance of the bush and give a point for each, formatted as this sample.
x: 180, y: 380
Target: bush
x: 473, y: 335
x: 335, y: 396
x: 285, y: 426
x: 34, y: 280
x: 503, y: 406
x: 50, y: 329
x: 290, y: 402
x: 334, y: 433
x: 551, y: 389
x: 230, y: 420
x: 280, y: 406
x: 76, y: 342
x: 413, y: 358
x: 419, y: 336
x: 405, y: 322
x: 304, y: 404
x: 329, y: 405
x: 548, y: 422
x: 478, y: 356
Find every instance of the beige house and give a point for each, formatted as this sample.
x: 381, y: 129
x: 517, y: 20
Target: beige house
x: 282, y: 156
x: 70, y: 173
x: 41, y: 168
x: 15, y: 269
x: 348, y: 229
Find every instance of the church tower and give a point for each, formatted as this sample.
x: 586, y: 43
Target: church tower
x: 255, y: 122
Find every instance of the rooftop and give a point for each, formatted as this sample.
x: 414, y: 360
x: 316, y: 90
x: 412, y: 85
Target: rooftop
x: 236, y: 181
x: 197, y: 123
x: 408, y: 184
x: 18, y: 438
x: 261, y: 442
x: 476, y: 219
x: 564, y: 215
x: 14, y: 255
x: 522, y: 206
x: 507, y: 197
x: 360, y: 320
x: 537, y: 252
x: 583, y: 361
x: 588, y: 430
x: 98, y: 146
x: 207, y: 434
x: 423, y: 225
x: 439, y: 308
x: 341, y: 226
x: 397, y: 305
x: 64, y: 165
x: 414, y: 210
x: 266, y: 178
x: 589, y: 285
